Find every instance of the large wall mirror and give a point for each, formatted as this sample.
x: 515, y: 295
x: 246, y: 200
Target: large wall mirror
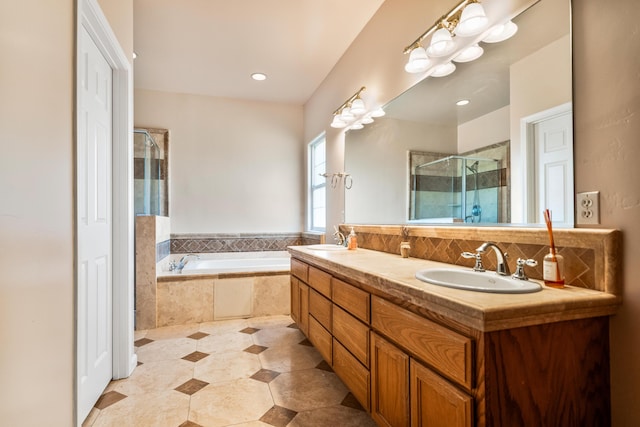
x: 500, y: 159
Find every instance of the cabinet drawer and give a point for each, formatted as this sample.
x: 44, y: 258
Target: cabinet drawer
x: 299, y: 269
x: 354, y: 300
x: 320, y: 281
x: 352, y: 333
x: 352, y: 373
x: 321, y: 339
x: 443, y: 349
x: 320, y: 308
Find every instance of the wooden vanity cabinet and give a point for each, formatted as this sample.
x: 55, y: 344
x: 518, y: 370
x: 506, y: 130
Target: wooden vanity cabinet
x: 408, y: 366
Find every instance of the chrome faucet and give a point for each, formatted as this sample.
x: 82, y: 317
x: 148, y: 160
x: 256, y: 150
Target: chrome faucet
x: 183, y: 261
x: 339, y: 237
x: 502, y: 268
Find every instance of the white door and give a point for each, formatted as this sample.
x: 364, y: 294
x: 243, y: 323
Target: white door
x: 94, y: 194
x: 554, y: 168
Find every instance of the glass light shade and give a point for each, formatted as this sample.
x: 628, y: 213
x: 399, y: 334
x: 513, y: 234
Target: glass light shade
x: 347, y: 115
x: 367, y: 119
x: 357, y: 107
x: 501, y: 32
x: 441, y: 43
x: 418, y: 61
x: 443, y: 70
x: 469, y: 54
x: 356, y: 126
x: 378, y: 112
x: 337, y: 122
x: 473, y: 21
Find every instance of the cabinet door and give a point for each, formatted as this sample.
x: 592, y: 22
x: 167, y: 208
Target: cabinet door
x: 389, y: 384
x: 320, y: 308
x: 295, y: 300
x: 303, y: 322
x: 435, y: 402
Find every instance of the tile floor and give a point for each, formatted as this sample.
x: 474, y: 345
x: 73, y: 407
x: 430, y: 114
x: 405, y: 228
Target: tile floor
x: 245, y: 373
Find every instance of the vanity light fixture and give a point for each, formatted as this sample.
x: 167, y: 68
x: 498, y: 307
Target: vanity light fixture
x: 353, y: 113
x: 456, y: 36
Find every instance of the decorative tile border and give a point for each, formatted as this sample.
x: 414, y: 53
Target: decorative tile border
x: 591, y: 256
x: 213, y: 243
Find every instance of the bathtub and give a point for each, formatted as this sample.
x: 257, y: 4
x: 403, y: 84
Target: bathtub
x: 273, y: 263
x: 227, y: 285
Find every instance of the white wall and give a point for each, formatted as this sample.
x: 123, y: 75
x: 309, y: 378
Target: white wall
x: 234, y: 165
x: 36, y: 213
x: 491, y: 128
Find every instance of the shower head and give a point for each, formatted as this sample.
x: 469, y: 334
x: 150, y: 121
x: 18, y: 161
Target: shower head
x: 474, y: 167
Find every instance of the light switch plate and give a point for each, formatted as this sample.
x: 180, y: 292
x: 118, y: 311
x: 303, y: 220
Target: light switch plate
x: 588, y: 206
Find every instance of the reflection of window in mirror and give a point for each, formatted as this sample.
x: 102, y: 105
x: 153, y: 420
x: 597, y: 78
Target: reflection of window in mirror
x: 150, y: 166
x: 317, y: 184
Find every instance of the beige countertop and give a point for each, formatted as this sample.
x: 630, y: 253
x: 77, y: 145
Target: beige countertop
x: 395, y: 276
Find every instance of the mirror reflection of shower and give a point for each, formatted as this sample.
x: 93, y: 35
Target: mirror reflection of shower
x: 149, y: 179
x: 476, y: 209
x: 456, y: 189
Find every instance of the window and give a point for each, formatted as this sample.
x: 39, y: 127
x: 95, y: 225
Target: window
x: 317, y: 184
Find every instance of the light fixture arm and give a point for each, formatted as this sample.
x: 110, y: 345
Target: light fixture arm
x: 449, y: 21
x: 349, y: 100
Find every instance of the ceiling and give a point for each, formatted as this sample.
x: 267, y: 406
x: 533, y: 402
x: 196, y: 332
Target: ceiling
x: 211, y: 47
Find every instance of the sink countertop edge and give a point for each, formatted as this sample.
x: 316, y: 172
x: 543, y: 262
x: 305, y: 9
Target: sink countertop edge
x: 395, y: 276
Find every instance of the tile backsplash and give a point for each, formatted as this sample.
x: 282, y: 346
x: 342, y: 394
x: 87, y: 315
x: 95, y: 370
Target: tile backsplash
x: 591, y: 255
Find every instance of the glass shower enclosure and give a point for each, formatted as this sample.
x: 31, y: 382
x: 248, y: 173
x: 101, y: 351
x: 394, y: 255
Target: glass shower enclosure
x: 456, y: 189
x: 149, y: 179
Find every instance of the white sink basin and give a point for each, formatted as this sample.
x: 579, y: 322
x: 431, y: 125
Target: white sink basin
x: 487, y: 281
x: 327, y: 247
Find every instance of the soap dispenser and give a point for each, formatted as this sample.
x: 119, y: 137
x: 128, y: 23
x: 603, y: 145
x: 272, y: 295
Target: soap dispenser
x: 352, y: 240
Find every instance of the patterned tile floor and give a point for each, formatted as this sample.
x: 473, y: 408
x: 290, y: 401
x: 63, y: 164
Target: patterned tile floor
x: 244, y: 373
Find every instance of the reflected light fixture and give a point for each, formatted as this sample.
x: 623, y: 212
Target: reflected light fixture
x: 501, y: 32
x: 353, y: 113
x: 469, y: 54
x: 259, y: 76
x: 462, y: 102
x: 456, y: 36
x: 443, y: 70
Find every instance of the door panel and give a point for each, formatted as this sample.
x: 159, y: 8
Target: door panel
x: 554, y: 167
x: 94, y: 323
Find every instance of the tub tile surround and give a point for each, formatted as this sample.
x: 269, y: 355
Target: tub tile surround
x: 592, y: 256
x: 164, y: 299
x: 228, y: 384
x: 191, y: 299
x: 211, y: 243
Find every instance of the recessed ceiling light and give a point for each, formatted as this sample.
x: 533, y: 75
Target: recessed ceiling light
x: 462, y: 102
x: 259, y: 76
